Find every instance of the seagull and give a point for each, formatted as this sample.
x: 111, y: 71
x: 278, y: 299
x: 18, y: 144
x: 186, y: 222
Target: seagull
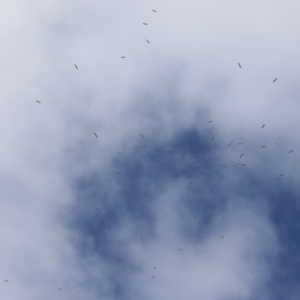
x: 291, y: 151
x: 154, y: 10
x: 76, y: 67
x: 274, y: 79
x: 212, y: 138
x: 38, y: 101
x: 263, y: 126
x: 95, y: 135
x: 209, y: 121
x: 145, y: 23
x: 141, y: 135
x: 263, y: 146
x: 239, y: 65
x: 241, y: 155
x: 122, y: 56
x: 148, y: 42
x: 230, y: 143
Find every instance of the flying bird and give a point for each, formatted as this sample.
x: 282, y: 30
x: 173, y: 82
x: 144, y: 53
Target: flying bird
x: 224, y: 166
x: 291, y: 151
x: 38, y: 101
x: 180, y: 249
x: 274, y: 79
x: 243, y: 165
x: 209, y: 121
x: 195, y: 217
x: 148, y: 42
x: 239, y: 65
x: 230, y: 143
x: 122, y: 56
x: 241, y: 155
x: 254, y: 183
x: 281, y: 175
x: 154, y: 10
x: 263, y: 146
x: 76, y: 67
x: 5, y: 280
x: 212, y: 138
x: 119, y: 152
x: 145, y: 23
x: 117, y: 172
x: 143, y: 146
x: 240, y: 143
x: 263, y: 126
x: 222, y: 236
x: 144, y: 193
x: 95, y: 134
x: 141, y: 135
x: 279, y: 178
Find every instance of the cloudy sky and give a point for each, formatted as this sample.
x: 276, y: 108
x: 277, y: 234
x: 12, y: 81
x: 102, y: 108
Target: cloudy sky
x: 117, y: 185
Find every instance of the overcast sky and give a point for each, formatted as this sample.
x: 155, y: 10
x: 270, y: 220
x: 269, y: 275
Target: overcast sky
x: 116, y: 185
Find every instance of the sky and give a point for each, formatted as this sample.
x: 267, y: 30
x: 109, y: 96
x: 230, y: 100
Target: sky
x: 172, y: 173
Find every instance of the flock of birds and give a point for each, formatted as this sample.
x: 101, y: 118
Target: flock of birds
x: 195, y: 157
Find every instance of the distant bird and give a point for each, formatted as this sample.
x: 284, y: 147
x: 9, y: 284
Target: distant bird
x: 281, y: 175
x: 122, y: 56
x: 60, y: 288
x: 239, y: 65
x: 240, y: 143
x: 222, y: 236
x: 243, y: 165
x: 254, y: 183
x: 38, y: 101
x: 5, y: 280
x: 154, y: 268
x: 263, y: 146
x: 144, y: 193
x: 274, y: 79
x: 279, y: 178
x: 195, y: 217
x: 212, y: 138
x: 223, y: 217
x: 145, y: 23
x: 241, y: 155
x: 143, y: 146
x: 117, y: 172
x: 76, y: 67
x: 141, y: 135
x: 180, y: 249
x: 191, y: 183
x: 154, y: 10
x: 249, y: 194
x: 263, y: 126
x: 152, y: 276
x: 209, y: 121
x: 148, y: 42
x: 238, y: 164
x: 277, y: 144
x: 95, y: 135
x: 224, y: 166
x: 195, y: 157
x: 97, y: 207
x: 230, y: 143
x: 119, y: 152
x: 291, y: 151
